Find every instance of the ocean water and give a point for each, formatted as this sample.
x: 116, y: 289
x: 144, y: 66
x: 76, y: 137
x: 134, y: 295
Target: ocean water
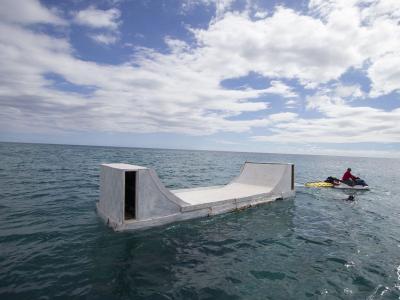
x: 316, y: 246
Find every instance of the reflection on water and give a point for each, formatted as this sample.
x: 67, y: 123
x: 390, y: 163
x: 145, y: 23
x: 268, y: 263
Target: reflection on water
x: 318, y: 245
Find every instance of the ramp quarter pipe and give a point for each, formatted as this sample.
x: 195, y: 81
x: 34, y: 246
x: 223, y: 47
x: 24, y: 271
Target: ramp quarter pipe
x: 133, y: 197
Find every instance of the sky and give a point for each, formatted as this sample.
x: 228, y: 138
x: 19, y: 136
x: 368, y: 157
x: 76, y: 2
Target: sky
x: 294, y: 76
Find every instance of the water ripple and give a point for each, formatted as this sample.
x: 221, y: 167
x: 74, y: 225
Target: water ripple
x: 318, y: 246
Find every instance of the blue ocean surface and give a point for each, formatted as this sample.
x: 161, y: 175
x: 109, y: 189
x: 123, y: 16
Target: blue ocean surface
x: 316, y: 246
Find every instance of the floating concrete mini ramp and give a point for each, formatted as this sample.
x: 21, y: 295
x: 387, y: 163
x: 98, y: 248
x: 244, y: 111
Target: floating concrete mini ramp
x: 133, y: 197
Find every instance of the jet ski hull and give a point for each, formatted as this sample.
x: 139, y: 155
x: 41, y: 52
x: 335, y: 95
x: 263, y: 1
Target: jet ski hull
x: 348, y: 187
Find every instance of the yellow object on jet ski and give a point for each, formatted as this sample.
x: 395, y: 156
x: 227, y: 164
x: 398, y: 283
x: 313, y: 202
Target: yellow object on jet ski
x: 319, y: 184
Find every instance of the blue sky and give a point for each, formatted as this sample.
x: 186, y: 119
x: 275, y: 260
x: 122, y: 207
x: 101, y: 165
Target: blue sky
x: 315, y: 77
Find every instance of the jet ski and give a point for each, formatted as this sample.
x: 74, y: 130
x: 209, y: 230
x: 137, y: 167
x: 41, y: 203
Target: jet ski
x: 332, y: 182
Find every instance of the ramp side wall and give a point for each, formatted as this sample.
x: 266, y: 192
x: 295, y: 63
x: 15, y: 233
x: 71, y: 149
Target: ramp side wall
x: 276, y: 176
x: 262, y: 174
x: 154, y: 200
x: 285, y: 185
x: 112, y: 187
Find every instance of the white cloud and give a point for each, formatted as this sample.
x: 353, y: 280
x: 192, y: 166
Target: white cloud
x: 280, y: 88
x: 283, y: 117
x: 98, y: 18
x: 291, y: 103
x: 106, y: 39
x: 287, y: 45
x: 348, y: 91
x: 27, y: 12
x: 341, y: 124
x: 373, y: 26
x: 261, y: 14
x: 378, y: 10
x: 103, y: 23
x: 162, y: 93
x: 221, y: 6
x: 385, y: 74
x: 180, y: 91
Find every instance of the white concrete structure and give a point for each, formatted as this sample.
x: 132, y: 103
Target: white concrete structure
x: 133, y: 197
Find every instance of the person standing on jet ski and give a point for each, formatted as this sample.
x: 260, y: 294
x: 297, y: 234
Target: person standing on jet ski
x: 351, y: 180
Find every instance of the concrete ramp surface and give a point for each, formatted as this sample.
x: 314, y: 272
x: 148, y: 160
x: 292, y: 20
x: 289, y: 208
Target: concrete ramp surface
x: 133, y: 197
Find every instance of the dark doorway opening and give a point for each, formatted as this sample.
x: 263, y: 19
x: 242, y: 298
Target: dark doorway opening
x: 292, y: 185
x: 130, y: 195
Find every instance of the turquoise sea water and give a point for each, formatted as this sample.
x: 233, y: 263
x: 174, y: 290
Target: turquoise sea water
x: 316, y: 246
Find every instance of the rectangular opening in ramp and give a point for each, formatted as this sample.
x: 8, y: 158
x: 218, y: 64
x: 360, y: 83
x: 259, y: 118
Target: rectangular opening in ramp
x: 292, y: 185
x: 130, y: 195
